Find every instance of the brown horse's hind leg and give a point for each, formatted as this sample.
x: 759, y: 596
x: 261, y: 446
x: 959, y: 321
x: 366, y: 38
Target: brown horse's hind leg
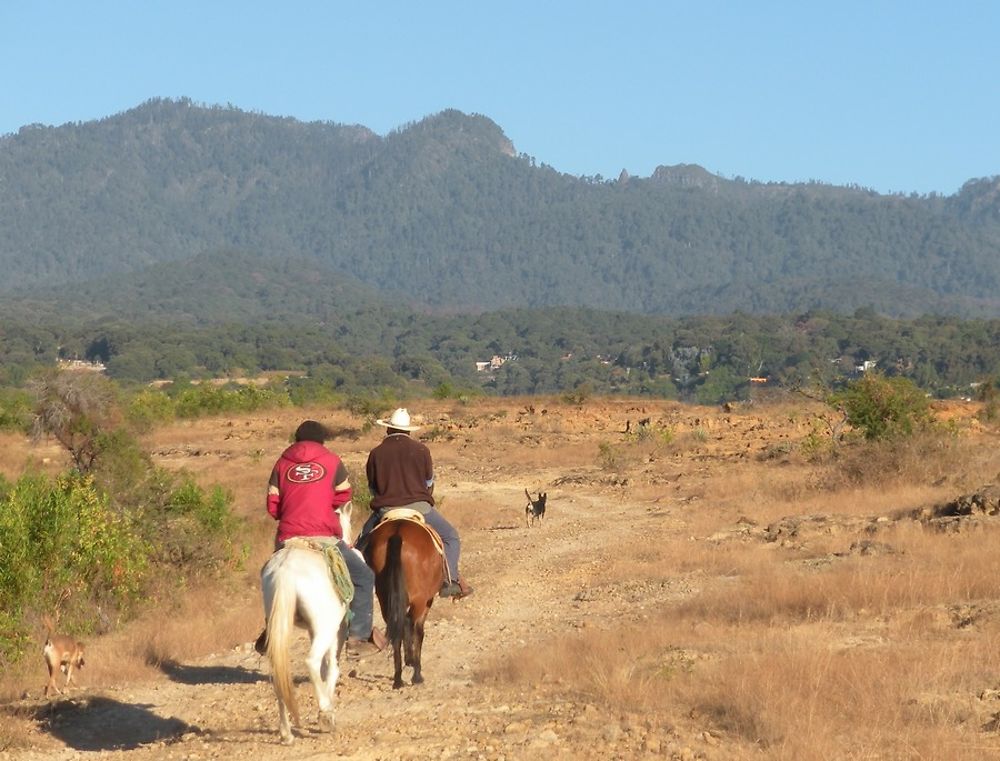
x: 397, y: 660
x: 408, y: 643
x: 418, y: 646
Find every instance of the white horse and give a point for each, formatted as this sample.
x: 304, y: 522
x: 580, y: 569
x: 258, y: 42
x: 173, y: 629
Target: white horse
x: 297, y: 588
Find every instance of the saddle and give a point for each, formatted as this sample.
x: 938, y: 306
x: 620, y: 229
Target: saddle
x: 414, y: 516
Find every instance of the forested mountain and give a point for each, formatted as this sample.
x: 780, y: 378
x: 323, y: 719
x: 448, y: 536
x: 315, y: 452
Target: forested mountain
x: 446, y: 214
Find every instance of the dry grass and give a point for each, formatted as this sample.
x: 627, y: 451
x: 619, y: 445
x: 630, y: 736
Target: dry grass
x: 847, y: 656
x: 780, y: 693
x: 960, y: 461
x: 922, y: 572
x: 17, y: 728
x: 17, y: 456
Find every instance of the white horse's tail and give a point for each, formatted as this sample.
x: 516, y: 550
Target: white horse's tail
x: 280, y: 623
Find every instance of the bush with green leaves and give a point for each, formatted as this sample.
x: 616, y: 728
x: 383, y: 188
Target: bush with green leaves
x: 206, y: 399
x: 579, y: 395
x: 194, y: 527
x: 15, y: 410
x: 310, y: 391
x: 369, y: 407
x: 93, y: 542
x: 64, y: 547
x: 883, y: 408
x: 149, y: 407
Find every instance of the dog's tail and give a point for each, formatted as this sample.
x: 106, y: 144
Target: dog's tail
x: 528, y: 496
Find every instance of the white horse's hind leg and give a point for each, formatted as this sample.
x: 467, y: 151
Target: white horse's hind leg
x: 324, y: 671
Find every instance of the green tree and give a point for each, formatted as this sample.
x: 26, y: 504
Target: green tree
x: 77, y: 408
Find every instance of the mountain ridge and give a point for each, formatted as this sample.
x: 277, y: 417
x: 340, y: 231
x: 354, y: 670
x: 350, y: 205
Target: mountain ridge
x: 446, y: 214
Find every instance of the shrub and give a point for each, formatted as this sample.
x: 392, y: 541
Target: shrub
x: 884, y: 408
x: 656, y: 434
x: 817, y: 444
x: 206, y: 399
x: 93, y: 541
x: 193, y: 527
x: 444, y: 390
x: 368, y: 405
x: 609, y: 456
x: 15, y: 410
x: 309, y: 391
x: 989, y: 395
x: 149, y: 407
x: 579, y: 395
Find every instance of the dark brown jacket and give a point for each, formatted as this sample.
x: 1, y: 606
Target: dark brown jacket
x: 400, y: 472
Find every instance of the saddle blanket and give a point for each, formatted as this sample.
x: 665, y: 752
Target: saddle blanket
x: 339, y: 574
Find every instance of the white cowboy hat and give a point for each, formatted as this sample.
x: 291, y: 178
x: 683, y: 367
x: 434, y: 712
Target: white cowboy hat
x: 400, y: 420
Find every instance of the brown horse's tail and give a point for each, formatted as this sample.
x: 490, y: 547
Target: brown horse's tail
x: 280, y: 621
x: 399, y: 599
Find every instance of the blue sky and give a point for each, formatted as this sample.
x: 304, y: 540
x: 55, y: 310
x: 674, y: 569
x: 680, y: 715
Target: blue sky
x: 894, y: 96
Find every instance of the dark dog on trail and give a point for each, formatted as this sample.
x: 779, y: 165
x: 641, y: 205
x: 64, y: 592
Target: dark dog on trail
x: 535, y: 509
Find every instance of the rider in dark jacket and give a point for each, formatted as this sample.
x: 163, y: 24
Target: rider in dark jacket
x: 401, y: 474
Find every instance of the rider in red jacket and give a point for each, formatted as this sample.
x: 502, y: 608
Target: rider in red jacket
x: 308, y: 483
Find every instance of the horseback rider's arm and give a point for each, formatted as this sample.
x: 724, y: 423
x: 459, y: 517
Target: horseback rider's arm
x: 370, y: 475
x: 342, y: 489
x: 274, y: 496
x: 429, y: 472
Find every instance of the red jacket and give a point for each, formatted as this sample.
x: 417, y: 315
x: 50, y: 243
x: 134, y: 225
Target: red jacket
x: 302, y: 493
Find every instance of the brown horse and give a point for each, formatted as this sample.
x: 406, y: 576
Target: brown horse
x: 409, y: 571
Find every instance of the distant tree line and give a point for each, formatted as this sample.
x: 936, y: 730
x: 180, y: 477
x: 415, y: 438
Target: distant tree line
x: 705, y: 359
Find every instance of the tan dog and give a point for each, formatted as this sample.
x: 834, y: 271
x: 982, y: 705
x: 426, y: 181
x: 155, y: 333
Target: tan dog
x: 61, y: 653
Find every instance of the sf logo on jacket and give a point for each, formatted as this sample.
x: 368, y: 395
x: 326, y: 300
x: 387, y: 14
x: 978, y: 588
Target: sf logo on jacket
x: 306, y: 472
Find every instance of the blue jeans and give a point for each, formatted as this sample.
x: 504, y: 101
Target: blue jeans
x: 364, y: 589
x: 449, y: 537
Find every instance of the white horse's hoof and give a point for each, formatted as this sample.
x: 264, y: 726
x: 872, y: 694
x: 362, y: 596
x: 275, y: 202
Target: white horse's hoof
x: 327, y: 721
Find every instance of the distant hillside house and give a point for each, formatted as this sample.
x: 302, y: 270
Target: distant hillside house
x: 864, y: 367
x: 495, y: 363
x: 80, y: 364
